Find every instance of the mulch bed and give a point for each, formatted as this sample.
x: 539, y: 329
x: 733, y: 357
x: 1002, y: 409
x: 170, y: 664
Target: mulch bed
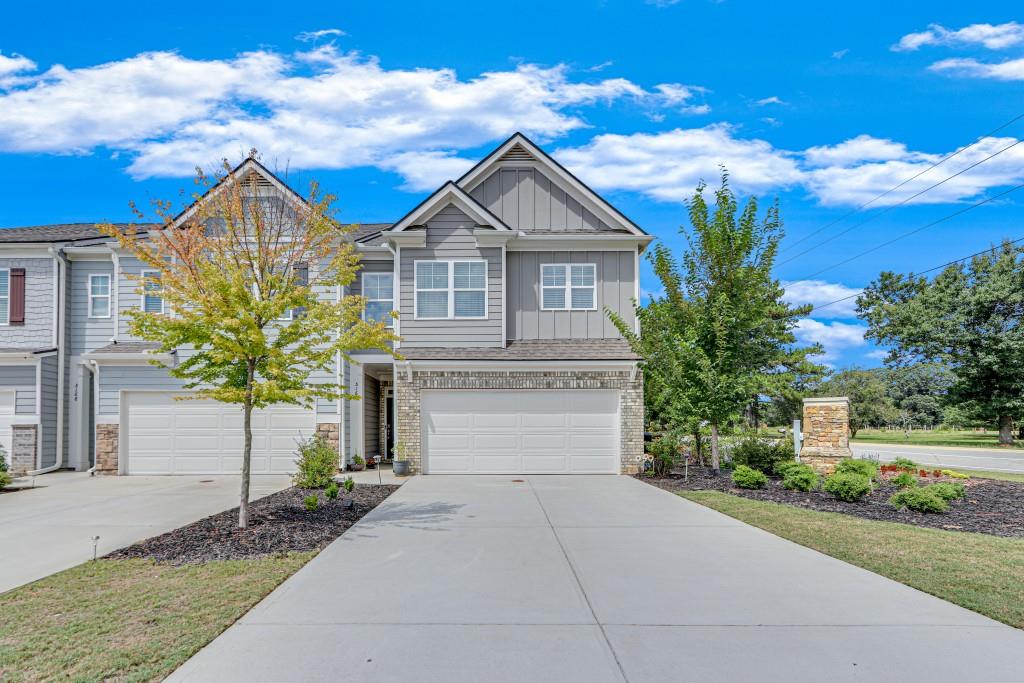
x: 278, y: 523
x: 991, y: 507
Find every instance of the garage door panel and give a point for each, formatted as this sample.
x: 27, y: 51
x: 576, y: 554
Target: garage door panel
x: 498, y: 441
x: 546, y: 442
x: 497, y: 463
x: 494, y: 421
x: 589, y: 442
x: 442, y: 421
x: 544, y: 464
x: 543, y: 420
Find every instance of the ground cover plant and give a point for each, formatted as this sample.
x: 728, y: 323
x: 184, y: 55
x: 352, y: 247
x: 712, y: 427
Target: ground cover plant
x: 847, y: 486
x: 748, y: 478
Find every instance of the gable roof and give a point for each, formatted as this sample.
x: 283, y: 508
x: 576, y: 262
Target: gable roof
x: 61, y: 232
x: 519, y: 149
x: 449, y: 193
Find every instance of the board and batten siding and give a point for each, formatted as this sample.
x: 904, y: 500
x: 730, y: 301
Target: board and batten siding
x: 450, y: 236
x: 37, y: 332
x: 526, y: 199
x: 85, y: 333
x: 48, y: 408
x: 21, y: 378
x: 615, y: 289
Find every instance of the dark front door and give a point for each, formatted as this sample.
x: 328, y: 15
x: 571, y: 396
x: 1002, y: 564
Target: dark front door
x: 389, y: 424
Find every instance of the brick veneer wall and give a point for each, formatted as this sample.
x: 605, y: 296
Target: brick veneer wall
x: 24, y: 442
x: 107, y: 448
x: 631, y: 401
x: 826, y: 432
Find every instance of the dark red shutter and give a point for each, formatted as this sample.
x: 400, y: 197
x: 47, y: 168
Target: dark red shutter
x: 17, y: 292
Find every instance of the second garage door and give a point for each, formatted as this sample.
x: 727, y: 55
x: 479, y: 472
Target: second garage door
x: 205, y: 437
x: 520, y: 432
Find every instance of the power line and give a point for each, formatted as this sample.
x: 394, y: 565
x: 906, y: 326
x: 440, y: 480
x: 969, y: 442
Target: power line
x: 893, y: 206
x: 916, y: 230
x: 913, y: 177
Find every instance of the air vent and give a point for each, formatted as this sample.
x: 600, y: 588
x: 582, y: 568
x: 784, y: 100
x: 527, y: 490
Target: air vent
x: 517, y: 153
x: 258, y: 180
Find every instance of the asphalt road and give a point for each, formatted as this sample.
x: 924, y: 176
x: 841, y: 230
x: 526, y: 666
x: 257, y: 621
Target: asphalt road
x: 1008, y: 460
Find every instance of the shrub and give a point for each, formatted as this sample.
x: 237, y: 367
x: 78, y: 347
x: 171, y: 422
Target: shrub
x: 311, y: 502
x: 748, y: 478
x: 848, y: 486
x: 956, y: 475
x: 3, y: 459
x: 904, y: 480
x: 358, y: 460
x: 5, y: 479
x: 948, y: 491
x: 316, y: 465
x: 800, y: 478
x: 332, y: 490
x: 349, y: 484
x: 784, y: 466
x: 761, y: 454
x: 919, y: 500
x: 866, y: 468
x: 904, y: 464
x: 664, y: 452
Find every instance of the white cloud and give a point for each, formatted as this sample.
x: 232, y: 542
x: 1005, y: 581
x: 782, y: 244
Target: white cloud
x: 820, y: 292
x: 854, y: 151
x: 647, y: 295
x: 321, y: 108
x: 769, y: 100
x: 993, y: 37
x: 662, y: 3
x: 1009, y: 70
x: 877, y: 354
x: 668, y: 165
x: 836, y: 337
x: 839, y: 54
x: 312, y: 36
x: 15, y: 64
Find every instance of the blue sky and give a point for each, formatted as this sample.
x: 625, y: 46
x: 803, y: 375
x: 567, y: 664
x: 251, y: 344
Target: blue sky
x: 820, y: 105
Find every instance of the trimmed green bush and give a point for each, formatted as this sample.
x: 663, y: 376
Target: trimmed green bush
x: 316, y: 465
x: 5, y: 479
x: 847, y: 486
x: 948, y: 491
x: 905, y: 464
x: 749, y: 478
x: 784, y: 466
x: 332, y: 490
x: 904, y: 480
x: 761, y: 454
x: 922, y: 499
x: 349, y: 484
x: 311, y: 502
x: 800, y: 477
x: 664, y: 452
x: 867, y: 468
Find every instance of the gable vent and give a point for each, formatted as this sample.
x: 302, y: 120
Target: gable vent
x: 517, y: 153
x: 258, y: 179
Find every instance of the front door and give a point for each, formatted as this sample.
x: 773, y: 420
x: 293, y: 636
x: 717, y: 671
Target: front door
x: 389, y: 423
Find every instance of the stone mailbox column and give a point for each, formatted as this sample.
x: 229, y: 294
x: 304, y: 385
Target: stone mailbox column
x: 826, y: 431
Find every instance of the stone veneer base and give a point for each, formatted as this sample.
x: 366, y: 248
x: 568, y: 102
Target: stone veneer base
x: 107, y: 436
x: 631, y: 401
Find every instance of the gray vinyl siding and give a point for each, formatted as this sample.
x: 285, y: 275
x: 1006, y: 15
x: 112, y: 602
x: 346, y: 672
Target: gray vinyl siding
x: 21, y: 378
x: 87, y: 334
x: 450, y: 236
x: 115, y: 378
x: 526, y: 199
x: 367, y: 266
x: 371, y: 416
x: 614, y: 288
x: 48, y: 407
x: 37, y: 332
x: 128, y: 299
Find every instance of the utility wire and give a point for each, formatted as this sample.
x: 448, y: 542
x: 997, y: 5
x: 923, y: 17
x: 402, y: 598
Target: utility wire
x: 893, y: 206
x: 913, y: 177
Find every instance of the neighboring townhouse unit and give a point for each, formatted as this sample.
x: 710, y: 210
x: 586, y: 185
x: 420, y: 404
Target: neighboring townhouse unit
x: 507, y: 360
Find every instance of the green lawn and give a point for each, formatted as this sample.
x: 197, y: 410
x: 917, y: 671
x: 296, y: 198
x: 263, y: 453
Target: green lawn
x: 976, y: 571
x: 1002, y: 476
x: 933, y: 438
x: 127, y: 620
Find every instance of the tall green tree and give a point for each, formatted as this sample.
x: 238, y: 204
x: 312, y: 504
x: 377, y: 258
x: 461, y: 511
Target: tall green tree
x: 970, y: 317
x: 721, y: 333
x: 249, y: 281
x: 870, y: 406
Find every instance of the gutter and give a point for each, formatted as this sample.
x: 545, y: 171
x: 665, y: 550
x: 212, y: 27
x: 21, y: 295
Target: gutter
x: 60, y: 299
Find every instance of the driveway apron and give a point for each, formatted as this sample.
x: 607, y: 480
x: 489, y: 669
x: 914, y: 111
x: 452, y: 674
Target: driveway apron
x: 590, y: 578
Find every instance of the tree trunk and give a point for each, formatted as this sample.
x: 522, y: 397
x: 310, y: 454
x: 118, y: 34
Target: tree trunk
x: 698, y: 450
x: 243, y: 506
x: 1005, y: 430
x: 714, y: 449
x: 853, y: 432
x: 1020, y: 431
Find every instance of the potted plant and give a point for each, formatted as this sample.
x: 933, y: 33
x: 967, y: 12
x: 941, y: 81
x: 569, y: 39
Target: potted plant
x: 401, y: 452
x: 357, y: 464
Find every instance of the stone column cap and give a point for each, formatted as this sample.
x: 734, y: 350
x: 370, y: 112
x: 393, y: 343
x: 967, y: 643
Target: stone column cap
x: 827, y: 400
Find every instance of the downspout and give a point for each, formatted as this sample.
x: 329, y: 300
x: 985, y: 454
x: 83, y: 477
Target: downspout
x: 115, y: 291
x: 59, y: 299
x: 95, y: 406
x: 339, y: 294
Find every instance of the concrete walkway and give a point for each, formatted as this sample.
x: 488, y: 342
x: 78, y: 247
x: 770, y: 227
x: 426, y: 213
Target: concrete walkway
x: 963, y: 458
x: 590, y: 579
x: 49, y: 528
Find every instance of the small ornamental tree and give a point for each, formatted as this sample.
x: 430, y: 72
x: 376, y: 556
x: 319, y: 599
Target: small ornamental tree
x: 250, y: 277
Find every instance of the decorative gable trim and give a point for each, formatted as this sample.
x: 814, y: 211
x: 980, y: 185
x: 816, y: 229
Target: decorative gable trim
x: 449, y: 193
x: 519, y: 151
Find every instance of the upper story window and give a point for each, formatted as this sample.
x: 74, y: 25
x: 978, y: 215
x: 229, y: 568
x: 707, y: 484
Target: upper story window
x: 5, y: 297
x: 451, y: 289
x: 151, y: 301
x: 99, y: 295
x: 568, y: 286
x: 379, y: 290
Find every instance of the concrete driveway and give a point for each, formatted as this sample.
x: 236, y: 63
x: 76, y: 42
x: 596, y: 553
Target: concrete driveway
x: 50, y: 528
x: 590, y: 579
x: 997, y: 459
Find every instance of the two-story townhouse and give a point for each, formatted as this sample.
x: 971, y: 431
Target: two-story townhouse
x: 507, y: 359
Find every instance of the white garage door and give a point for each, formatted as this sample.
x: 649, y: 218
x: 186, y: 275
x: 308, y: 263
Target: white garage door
x: 520, y: 432
x: 205, y: 437
x: 6, y: 419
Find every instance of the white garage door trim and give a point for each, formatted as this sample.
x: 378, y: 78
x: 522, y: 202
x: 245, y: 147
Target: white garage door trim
x: 7, y: 418
x: 163, y: 436
x: 467, y: 431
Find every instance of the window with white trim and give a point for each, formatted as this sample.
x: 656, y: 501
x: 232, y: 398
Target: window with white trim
x: 5, y: 297
x: 568, y: 287
x: 451, y: 289
x: 151, y: 301
x: 99, y: 295
x: 379, y: 290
